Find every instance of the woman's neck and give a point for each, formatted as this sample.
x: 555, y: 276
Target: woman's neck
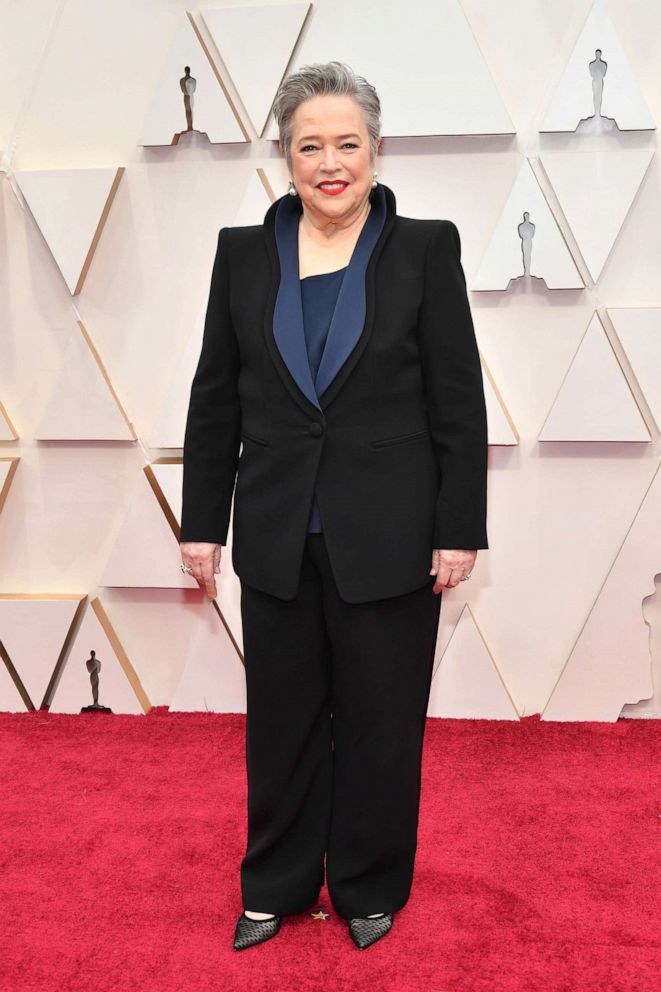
x: 325, y: 232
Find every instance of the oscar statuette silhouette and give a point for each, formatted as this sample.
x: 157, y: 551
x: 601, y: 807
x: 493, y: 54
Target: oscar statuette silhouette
x: 94, y: 667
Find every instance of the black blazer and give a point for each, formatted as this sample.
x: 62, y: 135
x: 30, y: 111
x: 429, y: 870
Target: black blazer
x: 396, y: 443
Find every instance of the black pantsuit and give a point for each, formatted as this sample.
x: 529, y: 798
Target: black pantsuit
x: 389, y: 434
x: 337, y: 697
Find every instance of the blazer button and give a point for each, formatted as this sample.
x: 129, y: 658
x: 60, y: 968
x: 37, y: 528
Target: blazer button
x: 316, y: 429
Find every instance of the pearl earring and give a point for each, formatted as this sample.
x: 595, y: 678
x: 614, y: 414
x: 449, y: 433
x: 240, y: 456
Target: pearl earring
x: 374, y: 182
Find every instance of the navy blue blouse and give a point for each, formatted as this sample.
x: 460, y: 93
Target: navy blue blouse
x: 318, y: 297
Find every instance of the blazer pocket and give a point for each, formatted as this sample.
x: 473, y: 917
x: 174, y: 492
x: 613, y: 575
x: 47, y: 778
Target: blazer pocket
x: 253, y: 437
x: 400, y: 438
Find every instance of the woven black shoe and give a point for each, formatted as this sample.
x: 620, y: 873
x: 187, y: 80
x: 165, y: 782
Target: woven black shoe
x: 366, y: 931
x: 249, y: 932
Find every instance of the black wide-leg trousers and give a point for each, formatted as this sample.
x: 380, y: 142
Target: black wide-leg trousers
x: 337, y: 696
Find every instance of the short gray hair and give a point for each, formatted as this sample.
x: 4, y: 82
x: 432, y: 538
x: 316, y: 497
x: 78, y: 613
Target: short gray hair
x: 334, y: 78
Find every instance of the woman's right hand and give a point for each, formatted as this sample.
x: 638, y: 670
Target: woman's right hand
x: 204, y: 559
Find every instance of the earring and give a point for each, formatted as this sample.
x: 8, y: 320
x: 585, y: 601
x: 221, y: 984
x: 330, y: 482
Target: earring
x: 374, y: 182
x: 292, y: 189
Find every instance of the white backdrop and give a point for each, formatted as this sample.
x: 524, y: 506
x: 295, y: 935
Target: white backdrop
x: 82, y: 78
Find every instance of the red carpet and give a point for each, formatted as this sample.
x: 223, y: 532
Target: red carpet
x: 538, y: 866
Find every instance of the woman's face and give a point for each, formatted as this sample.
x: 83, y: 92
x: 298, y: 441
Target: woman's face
x: 330, y: 143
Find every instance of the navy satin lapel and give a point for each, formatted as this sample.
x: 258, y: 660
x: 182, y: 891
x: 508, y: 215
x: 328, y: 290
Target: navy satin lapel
x: 288, y: 328
x: 349, y: 315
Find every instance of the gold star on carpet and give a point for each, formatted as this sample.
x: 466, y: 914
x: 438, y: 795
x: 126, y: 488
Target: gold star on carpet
x: 320, y: 915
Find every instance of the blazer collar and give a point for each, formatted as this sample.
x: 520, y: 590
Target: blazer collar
x: 352, y: 319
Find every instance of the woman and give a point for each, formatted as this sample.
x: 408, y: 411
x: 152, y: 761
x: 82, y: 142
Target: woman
x: 339, y: 348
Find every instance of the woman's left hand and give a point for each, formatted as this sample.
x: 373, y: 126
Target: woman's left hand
x: 449, y: 567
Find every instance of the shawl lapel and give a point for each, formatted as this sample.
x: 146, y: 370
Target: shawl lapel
x: 352, y: 318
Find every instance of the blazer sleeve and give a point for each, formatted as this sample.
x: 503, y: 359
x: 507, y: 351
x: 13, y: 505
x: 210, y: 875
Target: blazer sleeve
x: 213, y: 426
x: 455, y: 395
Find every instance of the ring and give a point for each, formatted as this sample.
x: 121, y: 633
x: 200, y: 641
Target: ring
x: 185, y: 568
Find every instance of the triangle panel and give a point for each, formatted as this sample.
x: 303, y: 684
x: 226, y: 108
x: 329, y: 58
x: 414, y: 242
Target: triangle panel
x: 194, y: 101
x: 596, y: 191
x: 594, y: 402
x: 598, y: 90
x: 83, y: 405
x: 527, y: 242
x: 610, y: 663
x: 466, y: 683
x: 117, y: 684
x: 70, y: 207
x: 639, y: 332
x: 214, y: 678
x: 407, y: 56
x: 256, y: 43
x: 146, y: 552
x: 34, y: 631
